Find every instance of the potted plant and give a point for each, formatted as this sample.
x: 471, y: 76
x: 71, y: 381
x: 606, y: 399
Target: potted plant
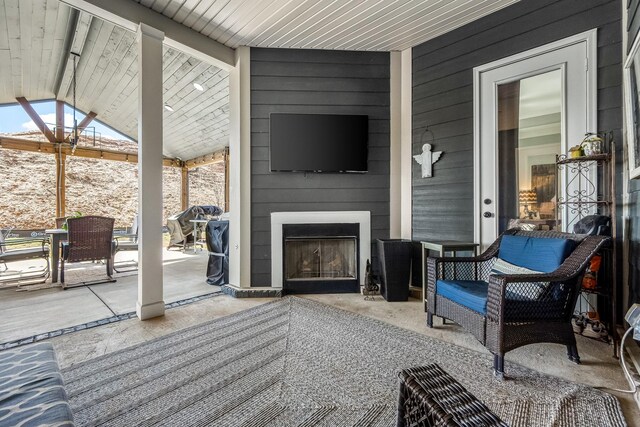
x: 76, y: 214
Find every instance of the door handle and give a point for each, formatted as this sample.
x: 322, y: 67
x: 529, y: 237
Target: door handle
x: 487, y: 214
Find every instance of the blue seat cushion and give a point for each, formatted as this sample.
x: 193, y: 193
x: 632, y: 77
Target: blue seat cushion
x: 535, y: 253
x: 468, y: 293
x: 31, y: 389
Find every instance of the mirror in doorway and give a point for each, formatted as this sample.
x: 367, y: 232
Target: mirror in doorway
x: 529, y: 138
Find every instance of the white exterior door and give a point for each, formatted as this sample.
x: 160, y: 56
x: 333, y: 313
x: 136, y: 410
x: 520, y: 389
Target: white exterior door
x: 550, y: 103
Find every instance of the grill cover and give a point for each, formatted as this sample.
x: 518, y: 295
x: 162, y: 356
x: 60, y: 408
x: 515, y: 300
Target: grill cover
x: 179, y: 226
x: 217, y: 235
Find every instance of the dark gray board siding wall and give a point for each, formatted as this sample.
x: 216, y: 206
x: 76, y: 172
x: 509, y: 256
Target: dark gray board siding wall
x: 633, y: 26
x: 443, y: 95
x: 316, y: 81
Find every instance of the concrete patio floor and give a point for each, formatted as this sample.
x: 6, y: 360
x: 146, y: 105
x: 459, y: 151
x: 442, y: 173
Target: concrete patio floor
x: 34, y: 312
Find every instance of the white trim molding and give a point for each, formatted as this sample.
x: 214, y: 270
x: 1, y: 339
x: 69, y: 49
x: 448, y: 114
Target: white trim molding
x: 631, y: 60
x: 626, y: 154
x: 278, y: 219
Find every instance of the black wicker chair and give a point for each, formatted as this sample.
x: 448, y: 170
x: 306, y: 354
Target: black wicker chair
x: 89, y: 239
x: 511, y: 322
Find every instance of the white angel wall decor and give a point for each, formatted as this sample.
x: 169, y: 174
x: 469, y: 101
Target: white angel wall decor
x: 427, y: 158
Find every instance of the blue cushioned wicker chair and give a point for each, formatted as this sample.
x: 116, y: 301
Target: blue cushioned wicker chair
x: 521, y: 290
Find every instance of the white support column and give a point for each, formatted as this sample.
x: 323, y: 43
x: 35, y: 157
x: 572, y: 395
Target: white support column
x: 406, y: 157
x: 150, y: 287
x: 400, y: 167
x: 240, y: 170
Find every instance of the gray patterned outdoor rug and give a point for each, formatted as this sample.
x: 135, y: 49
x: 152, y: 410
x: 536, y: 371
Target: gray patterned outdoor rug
x: 295, y: 362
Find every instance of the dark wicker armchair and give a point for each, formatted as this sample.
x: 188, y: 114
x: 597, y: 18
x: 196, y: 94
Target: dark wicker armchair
x: 89, y: 239
x: 521, y: 309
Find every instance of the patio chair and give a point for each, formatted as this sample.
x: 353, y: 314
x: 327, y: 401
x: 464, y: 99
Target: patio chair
x: 126, y: 242
x: 89, y: 238
x: 23, y: 249
x: 521, y: 290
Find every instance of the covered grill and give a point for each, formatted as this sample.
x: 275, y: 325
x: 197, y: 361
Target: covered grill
x: 181, y: 230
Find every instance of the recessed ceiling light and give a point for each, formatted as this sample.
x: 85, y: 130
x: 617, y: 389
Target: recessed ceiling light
x: 168, y: 107
x: 198, y: 86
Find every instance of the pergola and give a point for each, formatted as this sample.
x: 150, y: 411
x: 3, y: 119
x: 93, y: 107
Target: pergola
x: 195, y: 132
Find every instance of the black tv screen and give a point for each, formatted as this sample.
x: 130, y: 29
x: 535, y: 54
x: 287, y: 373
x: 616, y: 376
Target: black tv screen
x: 318, y: 142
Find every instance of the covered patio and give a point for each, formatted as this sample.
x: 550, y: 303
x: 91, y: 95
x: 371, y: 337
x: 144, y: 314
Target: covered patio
x: 176, y: 117
x: 32, y: 316
x: 397, y: 183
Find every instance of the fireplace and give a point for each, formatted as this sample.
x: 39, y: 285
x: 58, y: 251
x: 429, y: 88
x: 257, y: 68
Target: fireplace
x: 320, y: 258
x: 327, y: 251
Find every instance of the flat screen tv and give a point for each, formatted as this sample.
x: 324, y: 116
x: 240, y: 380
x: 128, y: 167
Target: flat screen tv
x: 318, y: 142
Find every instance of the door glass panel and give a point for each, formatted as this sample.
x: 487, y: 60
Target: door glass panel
x: 529, y: 138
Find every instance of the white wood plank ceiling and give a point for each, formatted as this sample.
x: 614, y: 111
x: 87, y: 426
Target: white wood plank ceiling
x: 32, y: 51
x: 379, y: 25
x: 32, y: 34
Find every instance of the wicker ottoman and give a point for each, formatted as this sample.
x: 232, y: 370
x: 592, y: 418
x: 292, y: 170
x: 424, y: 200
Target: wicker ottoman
x: 431, y: 397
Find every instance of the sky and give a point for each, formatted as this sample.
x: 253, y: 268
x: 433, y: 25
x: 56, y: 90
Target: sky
x: 14, y: 119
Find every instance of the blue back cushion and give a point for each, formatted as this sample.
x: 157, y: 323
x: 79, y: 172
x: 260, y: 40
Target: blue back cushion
x: 535, y: 253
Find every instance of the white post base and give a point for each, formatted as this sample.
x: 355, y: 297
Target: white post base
x: 149, y: 311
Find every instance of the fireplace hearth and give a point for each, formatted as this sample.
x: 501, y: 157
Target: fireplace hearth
x: 312, y: 234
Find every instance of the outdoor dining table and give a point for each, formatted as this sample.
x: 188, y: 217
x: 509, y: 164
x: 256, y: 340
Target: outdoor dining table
x: 58, y: 235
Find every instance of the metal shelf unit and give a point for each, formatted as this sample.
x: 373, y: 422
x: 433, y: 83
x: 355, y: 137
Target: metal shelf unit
x: 588, y: 187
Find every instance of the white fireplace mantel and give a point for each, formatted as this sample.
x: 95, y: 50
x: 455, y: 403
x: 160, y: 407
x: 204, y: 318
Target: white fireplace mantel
x: 278, y: 219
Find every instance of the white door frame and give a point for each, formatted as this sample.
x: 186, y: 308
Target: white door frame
x: 588, y: 37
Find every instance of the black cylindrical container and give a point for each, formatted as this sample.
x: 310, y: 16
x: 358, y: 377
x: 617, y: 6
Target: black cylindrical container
x: 394, y: 258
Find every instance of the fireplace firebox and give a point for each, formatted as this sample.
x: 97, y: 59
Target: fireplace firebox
x: 321, y: 258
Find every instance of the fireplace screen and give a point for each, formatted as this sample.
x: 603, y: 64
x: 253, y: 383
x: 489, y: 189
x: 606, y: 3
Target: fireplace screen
x: 320, y: 258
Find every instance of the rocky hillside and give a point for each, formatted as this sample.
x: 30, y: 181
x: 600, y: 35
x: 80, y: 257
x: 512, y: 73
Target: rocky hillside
x: 99, y: 187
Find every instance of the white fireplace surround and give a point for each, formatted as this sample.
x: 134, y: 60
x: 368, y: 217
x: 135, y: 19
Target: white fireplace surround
x: 278, y: 219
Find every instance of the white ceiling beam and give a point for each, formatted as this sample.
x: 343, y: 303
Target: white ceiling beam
x: 129, y: 15
x: 68, y: 41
